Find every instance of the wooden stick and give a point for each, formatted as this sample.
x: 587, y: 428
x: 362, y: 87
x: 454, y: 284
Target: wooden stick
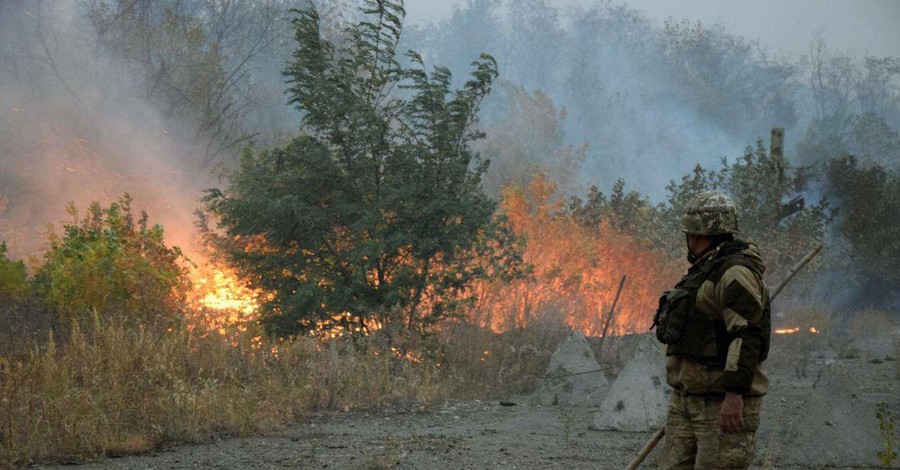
x: 647, y: 448
x: 662, y: 430
x: 793, y: 272
x: 612, y: 312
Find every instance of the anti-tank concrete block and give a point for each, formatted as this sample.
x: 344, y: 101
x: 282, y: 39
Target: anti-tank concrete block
x: 638, y: 400
x: 573, y: 377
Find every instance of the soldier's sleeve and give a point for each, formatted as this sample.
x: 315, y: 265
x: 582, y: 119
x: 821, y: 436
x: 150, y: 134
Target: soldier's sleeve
x: 741, y: 296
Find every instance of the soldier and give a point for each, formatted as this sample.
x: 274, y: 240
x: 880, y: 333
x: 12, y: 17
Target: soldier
x: 716, y: 326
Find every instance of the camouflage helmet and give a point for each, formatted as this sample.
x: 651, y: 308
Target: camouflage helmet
x: 710, y: 213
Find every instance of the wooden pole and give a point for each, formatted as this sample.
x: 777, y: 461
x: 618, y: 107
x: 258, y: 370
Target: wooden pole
x: 662, y: 430
x: 612, y: 313
x: 776, y: 152
x: 793, y: 272
x: 776, y: 149
x: 647, y: 448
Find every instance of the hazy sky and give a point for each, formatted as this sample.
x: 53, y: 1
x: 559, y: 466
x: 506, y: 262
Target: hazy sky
x: 786, y: 26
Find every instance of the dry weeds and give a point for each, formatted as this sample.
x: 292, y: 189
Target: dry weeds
x: 121, y: 390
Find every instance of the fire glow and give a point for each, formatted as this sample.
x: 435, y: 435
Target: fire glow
x: 224, y: 301
x: 576, y: 270
x: 796, y: 329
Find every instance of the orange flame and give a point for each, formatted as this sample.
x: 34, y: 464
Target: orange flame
x: 576, y: 270
x: 223, y: 301
x: 795, y: 329
x: 786, y: 331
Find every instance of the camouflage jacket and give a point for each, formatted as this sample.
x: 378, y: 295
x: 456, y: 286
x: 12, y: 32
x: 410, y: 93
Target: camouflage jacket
x: 739, y: 301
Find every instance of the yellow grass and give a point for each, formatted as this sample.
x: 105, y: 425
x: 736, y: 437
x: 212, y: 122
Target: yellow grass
x: 120, y: 390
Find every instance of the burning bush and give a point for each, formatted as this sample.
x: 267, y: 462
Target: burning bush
x: 109, y: 263
x: 575, y: 269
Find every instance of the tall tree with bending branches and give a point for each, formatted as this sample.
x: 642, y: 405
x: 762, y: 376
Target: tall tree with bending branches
x: 374, y: 213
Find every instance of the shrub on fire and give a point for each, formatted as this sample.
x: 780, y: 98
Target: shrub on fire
x: 108, y: 262
x: 374, y: 216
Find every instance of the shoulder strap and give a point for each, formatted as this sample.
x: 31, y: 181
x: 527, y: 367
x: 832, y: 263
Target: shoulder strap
x: 721, y: 265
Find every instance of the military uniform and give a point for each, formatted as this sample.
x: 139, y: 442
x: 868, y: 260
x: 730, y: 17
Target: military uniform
x: 715, y: 325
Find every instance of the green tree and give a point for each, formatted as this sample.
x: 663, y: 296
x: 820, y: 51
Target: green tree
x: 868, y: 196
x: 759, y: 187
x: 628, y: 211
x: 108, y: 262
x: 375, y: 212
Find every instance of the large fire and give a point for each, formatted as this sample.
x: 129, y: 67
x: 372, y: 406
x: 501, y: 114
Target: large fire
x: 223, y: 302
x: 577, y: 270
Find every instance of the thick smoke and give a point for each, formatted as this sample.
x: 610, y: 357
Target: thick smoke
x: 92, y: 107
x: 623, y: 86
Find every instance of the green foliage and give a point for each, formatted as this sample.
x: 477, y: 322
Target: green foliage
x: 13, y: 277
x: 868, y: 196
x: 888, y: 438
x: 758, y: 188
x: 109, y: 263
x: 628, y: 211
x: 375, y: 212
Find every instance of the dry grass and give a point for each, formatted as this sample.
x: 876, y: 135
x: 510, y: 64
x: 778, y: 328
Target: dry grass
x: 121, y: 390
x: 483, y: 364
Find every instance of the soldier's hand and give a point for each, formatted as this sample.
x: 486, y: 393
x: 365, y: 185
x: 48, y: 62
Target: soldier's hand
x: 730, y: 418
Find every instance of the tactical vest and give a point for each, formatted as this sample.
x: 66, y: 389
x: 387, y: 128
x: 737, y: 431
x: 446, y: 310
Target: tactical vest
x: 690, y: 333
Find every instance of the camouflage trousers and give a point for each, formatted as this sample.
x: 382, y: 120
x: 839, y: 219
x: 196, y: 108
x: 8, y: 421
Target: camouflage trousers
x: 694, y: 440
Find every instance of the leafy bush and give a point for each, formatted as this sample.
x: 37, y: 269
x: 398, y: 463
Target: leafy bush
x: 13, y: 277
x: 21, y: 318
x: 109, y: 263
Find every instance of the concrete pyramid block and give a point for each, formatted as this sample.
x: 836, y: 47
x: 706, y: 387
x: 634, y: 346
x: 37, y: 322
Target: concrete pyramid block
x: 573, y: 377
x: 638, y: 400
